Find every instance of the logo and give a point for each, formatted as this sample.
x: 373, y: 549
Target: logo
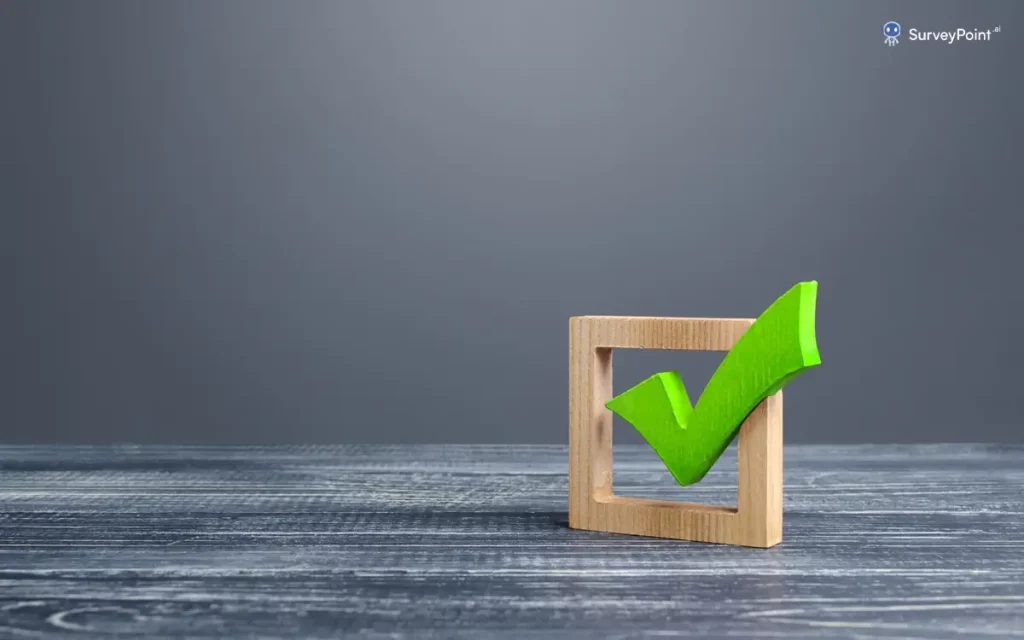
x: 892, y: 31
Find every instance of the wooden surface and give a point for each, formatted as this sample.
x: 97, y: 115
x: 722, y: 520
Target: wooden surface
x: 753, y: 519
x: 473, y: 542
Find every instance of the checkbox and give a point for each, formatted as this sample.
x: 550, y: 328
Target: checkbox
x: 755, y: 521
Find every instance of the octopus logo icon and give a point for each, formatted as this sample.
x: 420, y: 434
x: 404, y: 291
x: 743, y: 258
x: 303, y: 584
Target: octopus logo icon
x: 892, y: 31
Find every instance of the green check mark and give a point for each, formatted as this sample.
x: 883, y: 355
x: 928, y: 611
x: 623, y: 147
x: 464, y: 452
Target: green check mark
x: 779, y: 346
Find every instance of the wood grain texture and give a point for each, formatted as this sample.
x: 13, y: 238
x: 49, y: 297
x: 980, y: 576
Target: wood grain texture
x: 679, y: 334
x: 473, y: 542
x: 760, y: 476
x: 754, y: 520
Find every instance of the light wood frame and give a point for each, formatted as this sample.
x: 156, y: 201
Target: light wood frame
x: 755, y: 521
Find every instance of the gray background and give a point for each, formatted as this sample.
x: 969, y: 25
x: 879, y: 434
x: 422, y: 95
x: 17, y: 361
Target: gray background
x: 262, y: 221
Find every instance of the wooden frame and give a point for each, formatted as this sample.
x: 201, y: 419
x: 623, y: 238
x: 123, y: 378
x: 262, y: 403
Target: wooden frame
x: 756, y: 520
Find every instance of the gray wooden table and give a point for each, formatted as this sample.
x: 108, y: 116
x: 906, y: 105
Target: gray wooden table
x: 472, y: 542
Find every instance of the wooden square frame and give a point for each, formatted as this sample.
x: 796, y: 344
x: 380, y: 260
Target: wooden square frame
x: 756, y: 520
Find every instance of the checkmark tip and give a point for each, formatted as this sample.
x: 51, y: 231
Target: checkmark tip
x: 661, y: 399
x: 806, y: 318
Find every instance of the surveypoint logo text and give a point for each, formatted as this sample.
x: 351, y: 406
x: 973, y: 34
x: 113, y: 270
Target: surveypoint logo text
x: 957, y: 35
x: 893, y: 30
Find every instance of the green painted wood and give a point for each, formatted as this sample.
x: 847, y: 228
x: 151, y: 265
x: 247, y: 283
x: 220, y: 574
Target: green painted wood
x: 689, y: 439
